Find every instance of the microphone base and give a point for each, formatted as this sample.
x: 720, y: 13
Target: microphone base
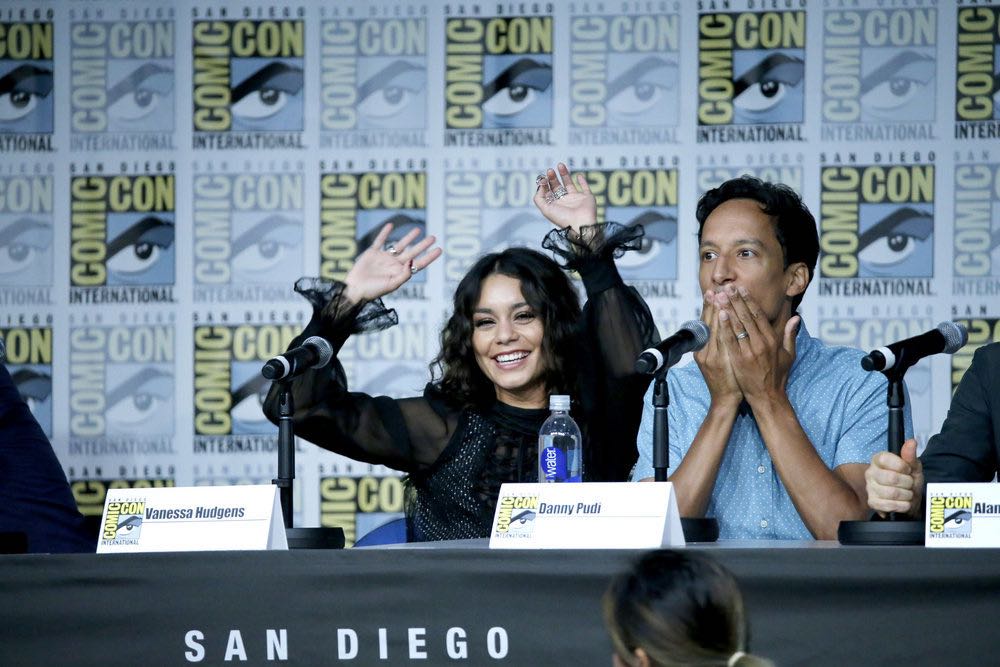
x: 700, y: 529
x: 881, y: 533
x: 315, y: 538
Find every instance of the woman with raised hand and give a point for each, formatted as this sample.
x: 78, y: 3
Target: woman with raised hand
x: 516, y: 334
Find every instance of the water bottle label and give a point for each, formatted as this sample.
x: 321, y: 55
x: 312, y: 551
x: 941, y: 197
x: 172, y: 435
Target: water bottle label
x: 553, y: 464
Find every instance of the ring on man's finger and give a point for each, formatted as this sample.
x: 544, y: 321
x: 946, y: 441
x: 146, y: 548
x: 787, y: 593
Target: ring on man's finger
x: 391, y: 249
x: 741, y: 335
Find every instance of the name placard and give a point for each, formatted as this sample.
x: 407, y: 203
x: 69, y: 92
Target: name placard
x: 962, y: 515
x: 604, y: 515
x: 198, y: 518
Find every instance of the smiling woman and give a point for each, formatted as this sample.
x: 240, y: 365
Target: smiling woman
x: 515, y: 335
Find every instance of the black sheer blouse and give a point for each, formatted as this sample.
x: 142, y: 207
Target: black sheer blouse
x: 457, y: 456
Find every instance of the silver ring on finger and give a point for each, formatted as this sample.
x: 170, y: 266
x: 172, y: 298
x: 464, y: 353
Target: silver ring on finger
x: 560, y: 192
x: 413, y: 270
x: 741, y: 335
x: 549, y: 197
x: 391, y: 249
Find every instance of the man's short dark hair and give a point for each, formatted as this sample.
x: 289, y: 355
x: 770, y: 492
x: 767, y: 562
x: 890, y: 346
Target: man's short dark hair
x: 794, y: 225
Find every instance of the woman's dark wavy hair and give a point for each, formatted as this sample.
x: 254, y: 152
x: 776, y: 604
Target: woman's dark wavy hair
x: 794, y: 225
x: 550, y: 294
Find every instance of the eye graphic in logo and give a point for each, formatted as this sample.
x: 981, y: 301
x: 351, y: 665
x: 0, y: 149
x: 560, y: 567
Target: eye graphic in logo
x: 895, y: 242
x: 141, y: 97
x: 35, y: 387
x: 896, y: 89
x: 402, y: 221
x: 249, y: 390
x: 264, y: 250
x: 957, y: 518
x: 516, y: 92
x: 643, y: 94
x: 392, y: 94
x: 141, y: 250
x: 129, y: 526
x: 268, y: 96
x: 770, y: 88
x: 140, y: 400
x: 25, y: 105
x: 396, y: 381
x: 522, y: 229
x: 656, y: 258
x: 25, y: 252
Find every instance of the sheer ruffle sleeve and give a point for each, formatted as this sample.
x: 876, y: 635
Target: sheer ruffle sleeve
x: 616, y: 327
x: 405, y: 434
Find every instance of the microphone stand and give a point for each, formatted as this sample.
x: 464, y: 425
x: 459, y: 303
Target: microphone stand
x: 894, y: 529
x: 298, y: 538
x: 696, y: 529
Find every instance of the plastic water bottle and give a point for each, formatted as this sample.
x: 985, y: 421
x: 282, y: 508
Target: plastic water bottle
x: 560, y: 447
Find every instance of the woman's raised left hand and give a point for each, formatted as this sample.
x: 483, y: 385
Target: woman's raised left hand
x: 565, y: 200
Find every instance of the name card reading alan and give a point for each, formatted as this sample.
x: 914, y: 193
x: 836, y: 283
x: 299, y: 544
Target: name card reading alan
x: 586, y: 516
x: 200, y: 518
x: 963, y: 515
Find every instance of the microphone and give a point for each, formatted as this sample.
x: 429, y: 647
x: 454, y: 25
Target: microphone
x: 691, y: 337
x: 948, y: 337
x: 315, y: 352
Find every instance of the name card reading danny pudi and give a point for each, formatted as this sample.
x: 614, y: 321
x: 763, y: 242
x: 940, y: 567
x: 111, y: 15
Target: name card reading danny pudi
x: 963, y: 515
x: 595, y: 515
x: 197, y: 518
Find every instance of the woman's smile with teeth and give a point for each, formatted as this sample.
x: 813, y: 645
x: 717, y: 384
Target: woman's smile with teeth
x: 510, y: 357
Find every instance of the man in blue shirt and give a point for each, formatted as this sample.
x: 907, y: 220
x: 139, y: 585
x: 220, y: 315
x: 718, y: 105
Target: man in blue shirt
x: 770, y: 429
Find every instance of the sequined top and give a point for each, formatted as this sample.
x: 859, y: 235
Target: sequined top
x: 456, y: 456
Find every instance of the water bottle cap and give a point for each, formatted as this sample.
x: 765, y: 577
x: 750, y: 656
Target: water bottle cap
x: 559, y: 402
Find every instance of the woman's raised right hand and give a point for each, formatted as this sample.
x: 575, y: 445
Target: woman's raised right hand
x: 381, y: 269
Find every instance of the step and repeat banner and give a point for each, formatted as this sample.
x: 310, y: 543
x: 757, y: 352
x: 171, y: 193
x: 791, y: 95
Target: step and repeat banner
x: 169, y: 169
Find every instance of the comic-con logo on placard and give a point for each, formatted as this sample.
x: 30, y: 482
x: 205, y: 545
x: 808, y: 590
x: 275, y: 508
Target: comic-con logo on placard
x: 624, y: 74
x: 498, y: 84
x: 358, y: 504
x: 247, y: 232
x: 248, y: 80
x: 868, y: 328
x: 977, y: 73
x: 355, y: 205
x: 229, y: 390
x: 121, y: 386
x: 29, y: 362
x: 751, y: 76
x: 516, y: 516
x: 976, y: 248
x: 90, y: 483
x: 879, y: 73
x: 26, y: 237
x: 123, y: 522
x: 27, y: 107
x: 876, y: 228
x: 373, y: 77
x: 122, y: 234
x: 122, y: 81
x: 950, y: 516
x: 983, y: 325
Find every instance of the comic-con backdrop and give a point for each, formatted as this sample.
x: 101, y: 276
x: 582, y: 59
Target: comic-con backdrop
x: 168, y: 169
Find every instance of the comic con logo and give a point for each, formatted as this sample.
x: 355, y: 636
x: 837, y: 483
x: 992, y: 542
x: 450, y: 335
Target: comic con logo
x: 360, y: 504
x: 982, y: 331
x: 516, y: 516
x: 373, y: 74
x: 247, y: 228
x: 25, y: 230
x: 786, y: 174
x: 248, y: 75
x: 977, y: 75
x: 122, y: 230
x: 90, y: 493
x: 122, y: 76
x: 950, y: 516
x: 879, y: 65
x: 977, y: 221
x: 29, y: 361
x: 751, y: 69
x: 624, y: 70
x: 123, y: 522
x: 121, y: 381
x: 229, y: 390
x: 355, y: 206
x: 498, y: 73
x: 26, y: 81
x: 877, y: 221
